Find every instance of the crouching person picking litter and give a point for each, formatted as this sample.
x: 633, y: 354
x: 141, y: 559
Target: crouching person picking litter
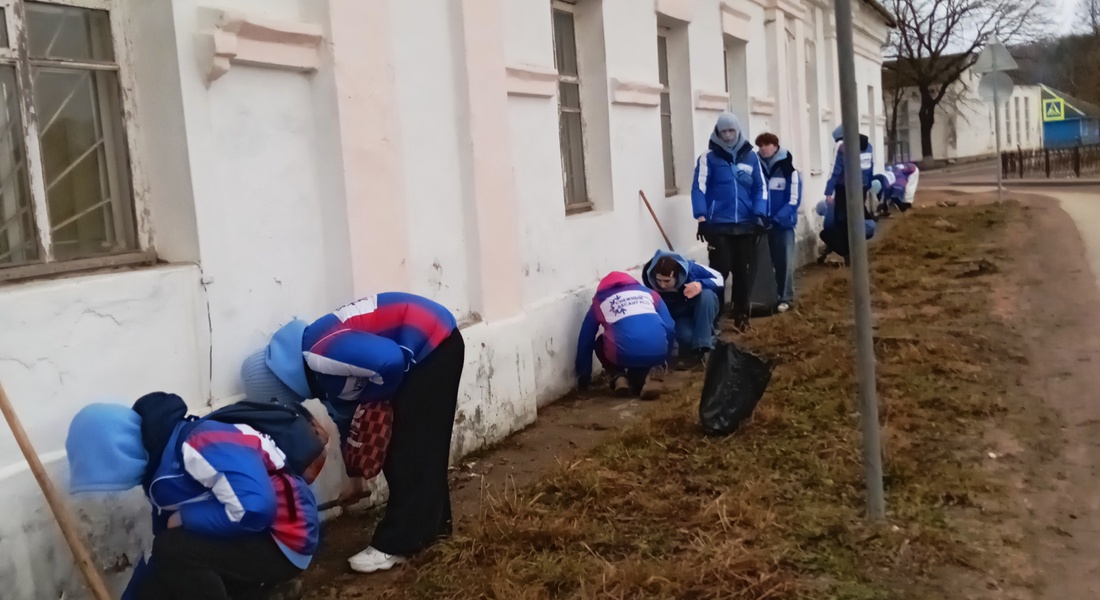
x: 693, y: 294
x: 387, y: 368
x: 229, y: 519
x: 638, y: 337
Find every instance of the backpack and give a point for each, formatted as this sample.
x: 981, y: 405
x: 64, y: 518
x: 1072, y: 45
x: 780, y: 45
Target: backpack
x: 290, y: 426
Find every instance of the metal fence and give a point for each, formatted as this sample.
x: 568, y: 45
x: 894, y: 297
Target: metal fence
x: 1051, y: 163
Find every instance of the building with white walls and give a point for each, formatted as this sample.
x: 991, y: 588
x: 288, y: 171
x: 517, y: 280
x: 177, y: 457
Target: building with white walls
x: 965, y: 123
x: 178, y: 178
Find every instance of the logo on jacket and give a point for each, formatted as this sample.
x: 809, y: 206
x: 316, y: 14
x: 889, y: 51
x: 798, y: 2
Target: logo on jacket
x: 627, y: 304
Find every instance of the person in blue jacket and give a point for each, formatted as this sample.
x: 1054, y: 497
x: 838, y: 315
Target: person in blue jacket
x: 393, y: 351
x: 693, y: 294
x: 834, y: 232
x: 784, y: 198
x: 836, y: 189
x: 730, y: 201
x: 638, y: 337
x: 228, y: 519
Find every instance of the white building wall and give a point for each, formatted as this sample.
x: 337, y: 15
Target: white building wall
x: 272, y: 194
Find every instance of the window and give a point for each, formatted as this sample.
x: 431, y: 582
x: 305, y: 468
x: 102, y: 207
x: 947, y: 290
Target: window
x: 570, y: 122
x: 666, y: 112
x: 1027, y: 119
x: 902, y: 151
x: 64, y: 176
x: 737, y: 75
x: 1008, y: 124
x: 1016, y: 112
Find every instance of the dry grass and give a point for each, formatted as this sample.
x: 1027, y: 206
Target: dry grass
x: 774, y: 511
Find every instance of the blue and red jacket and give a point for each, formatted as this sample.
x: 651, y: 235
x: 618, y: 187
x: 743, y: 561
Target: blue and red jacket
x: 638, y: 331
x: 362, y: 351
x: 229, y: 481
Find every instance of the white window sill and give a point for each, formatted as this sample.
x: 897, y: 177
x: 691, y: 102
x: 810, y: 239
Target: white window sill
x: 85, y: 266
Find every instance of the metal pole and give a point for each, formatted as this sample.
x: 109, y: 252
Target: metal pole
x: 997, y: 126
x: 857, y: 244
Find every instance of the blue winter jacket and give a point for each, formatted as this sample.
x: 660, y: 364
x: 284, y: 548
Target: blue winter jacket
x: 638, y: 331
x: 727, y: 189
x: 784, y: 190
x: 691, y: 272
x: 866, y: 165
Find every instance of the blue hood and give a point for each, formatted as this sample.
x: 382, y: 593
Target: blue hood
x: 285, y: 359
x: 779, y: 156
x: 683, y: 262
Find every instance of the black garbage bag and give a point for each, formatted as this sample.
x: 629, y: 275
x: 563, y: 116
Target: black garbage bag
x: 734, y: 383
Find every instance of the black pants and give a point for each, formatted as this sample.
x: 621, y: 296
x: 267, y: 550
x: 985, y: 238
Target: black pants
x: 836, y: 237
x: 189, y: 566
x: 419, y: 508
x: 735, y: 256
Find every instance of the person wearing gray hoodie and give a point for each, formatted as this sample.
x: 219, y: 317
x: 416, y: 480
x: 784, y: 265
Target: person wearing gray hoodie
x: 729, y: 199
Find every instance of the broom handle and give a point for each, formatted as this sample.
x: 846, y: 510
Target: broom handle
x: 57, y: 504
x: 655, y: 220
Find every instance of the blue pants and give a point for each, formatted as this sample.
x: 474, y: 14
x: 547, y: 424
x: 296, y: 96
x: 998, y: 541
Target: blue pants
x: 695, y: 321
x: 781, y: 245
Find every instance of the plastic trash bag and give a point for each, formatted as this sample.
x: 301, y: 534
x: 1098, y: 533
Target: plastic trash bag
x: 733, y: 385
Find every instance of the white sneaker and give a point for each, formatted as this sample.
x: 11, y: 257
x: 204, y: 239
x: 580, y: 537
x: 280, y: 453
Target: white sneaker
x: 784, y: 307
x: 372, y: 559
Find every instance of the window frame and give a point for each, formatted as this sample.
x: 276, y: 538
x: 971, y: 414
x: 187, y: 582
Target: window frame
x: 576, y: 206
x: 1016, y: 116
x: 1027, y: 118
x: 121, y: 179
x: 664, y: 109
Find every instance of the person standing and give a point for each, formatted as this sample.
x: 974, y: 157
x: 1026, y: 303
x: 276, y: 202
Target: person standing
x: 397, y: 354
x: 784, y: 199
x: 729, y: 200
x: 637, y: 340
x: 837, y: 194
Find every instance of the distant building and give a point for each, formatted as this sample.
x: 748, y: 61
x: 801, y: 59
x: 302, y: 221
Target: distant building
x: 964, y: 122
x: 1068, y: 121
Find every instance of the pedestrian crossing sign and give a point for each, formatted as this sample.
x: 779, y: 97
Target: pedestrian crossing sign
x: 1054, y: 109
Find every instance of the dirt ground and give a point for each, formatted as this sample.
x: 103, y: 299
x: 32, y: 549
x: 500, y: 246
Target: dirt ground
x: 1021, y: 520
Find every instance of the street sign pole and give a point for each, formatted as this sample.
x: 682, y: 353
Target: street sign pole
x: 994, y: 60
x: 997, y: 127
x: 857, y: 246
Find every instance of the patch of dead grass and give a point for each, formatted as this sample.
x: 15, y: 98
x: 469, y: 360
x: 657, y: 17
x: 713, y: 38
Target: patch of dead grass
x: 775, y: 511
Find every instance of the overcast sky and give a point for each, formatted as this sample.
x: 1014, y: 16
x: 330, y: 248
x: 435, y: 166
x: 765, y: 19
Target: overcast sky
x: 1064, y: 19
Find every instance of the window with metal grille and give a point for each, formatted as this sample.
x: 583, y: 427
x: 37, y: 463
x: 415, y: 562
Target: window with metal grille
x: 666, y: 112
x: 65, y: 191
x: 570, y: 121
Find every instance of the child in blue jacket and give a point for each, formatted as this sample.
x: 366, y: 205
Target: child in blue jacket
x: 693, y: 294
x: 395, y: 351
x: 730, y: 201
x: 638, y: 337
x: 784, y: 198
x: 228, y: 519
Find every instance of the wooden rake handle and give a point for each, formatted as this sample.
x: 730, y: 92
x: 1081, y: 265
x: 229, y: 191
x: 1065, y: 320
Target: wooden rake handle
x: 57, y: 503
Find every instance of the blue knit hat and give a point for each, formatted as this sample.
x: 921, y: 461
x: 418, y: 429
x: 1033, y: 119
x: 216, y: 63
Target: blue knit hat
x: 279, y: 371
x: 838, y: 132
x: 105, y: 449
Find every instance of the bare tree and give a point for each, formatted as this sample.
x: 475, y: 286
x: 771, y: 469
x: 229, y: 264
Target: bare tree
x: 1089, y: 13
x: 938, y: 40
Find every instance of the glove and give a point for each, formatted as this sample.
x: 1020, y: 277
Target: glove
x: 699, y: 235
x: 760, y: 225
x: 584, y: 382
x: 744, y: 178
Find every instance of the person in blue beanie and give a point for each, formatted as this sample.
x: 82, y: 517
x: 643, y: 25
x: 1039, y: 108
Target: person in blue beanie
x: 834, y: 232
x: 784, y: 198
x: 693, y: 294
x: 730, y: 202
x: 394, y: 353
x: 228, y: 520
